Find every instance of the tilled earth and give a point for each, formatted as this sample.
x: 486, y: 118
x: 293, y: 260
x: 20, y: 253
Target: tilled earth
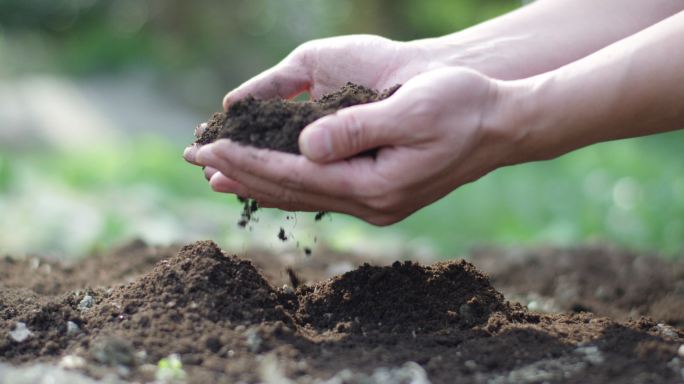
x: 230, y: 319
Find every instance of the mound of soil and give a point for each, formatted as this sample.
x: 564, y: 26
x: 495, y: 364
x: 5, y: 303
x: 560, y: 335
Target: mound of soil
x: 277, y: 123
x: 405, y: 297
x: 199, y: 280
x: 399, y: 323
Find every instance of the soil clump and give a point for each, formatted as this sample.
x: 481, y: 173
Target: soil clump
x: 277, y: 123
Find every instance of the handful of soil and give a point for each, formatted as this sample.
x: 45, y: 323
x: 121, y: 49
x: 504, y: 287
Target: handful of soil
x: 277, y: 123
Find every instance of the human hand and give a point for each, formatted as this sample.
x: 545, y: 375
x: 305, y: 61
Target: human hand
x: 323, y: 66
x: 437, y: 132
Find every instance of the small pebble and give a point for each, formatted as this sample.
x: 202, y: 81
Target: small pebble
x: 666, y: 330
x: 591, y: 353
x: 680, y: 351
x: 288, y: 290
x: 254, y: 340
x: 72, y: 362
x: 86, y: 302
x: 72, y: 328
x: 20, y: 332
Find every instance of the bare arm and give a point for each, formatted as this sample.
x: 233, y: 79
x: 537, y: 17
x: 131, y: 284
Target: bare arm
x: 545, y: 35
x: 451, y: 125
x: 634, y: 87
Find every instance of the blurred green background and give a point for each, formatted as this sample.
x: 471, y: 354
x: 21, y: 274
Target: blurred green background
x: 98, y: 99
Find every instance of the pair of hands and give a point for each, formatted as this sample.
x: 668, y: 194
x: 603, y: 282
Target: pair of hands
x: 434, y: 134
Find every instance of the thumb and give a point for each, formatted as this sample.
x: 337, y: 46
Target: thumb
x: 349, y: 132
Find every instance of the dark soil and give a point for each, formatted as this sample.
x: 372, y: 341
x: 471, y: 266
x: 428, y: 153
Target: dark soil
x: 229, y: 322
x: 606, y: 281
x: 277, y: 123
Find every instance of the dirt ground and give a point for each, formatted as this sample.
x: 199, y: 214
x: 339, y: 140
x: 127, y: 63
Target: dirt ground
x: 232, y: 319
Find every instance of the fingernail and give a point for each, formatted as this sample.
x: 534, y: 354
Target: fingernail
x: 315, y: 142
x: 209, y: 173
x: 202, y: 154
x: 190, y: 152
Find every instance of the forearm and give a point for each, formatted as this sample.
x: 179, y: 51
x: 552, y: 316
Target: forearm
x: 545, y: 35
x: 632, y: 88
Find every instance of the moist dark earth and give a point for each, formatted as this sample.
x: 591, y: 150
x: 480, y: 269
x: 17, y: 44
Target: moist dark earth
x: 276, y: 123
x: 232, y: 318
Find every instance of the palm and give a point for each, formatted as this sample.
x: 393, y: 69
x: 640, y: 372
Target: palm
x: 367, y: 60
x: 323, y: 66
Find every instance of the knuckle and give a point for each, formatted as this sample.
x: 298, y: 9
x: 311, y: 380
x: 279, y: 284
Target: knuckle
x: 353, y: 133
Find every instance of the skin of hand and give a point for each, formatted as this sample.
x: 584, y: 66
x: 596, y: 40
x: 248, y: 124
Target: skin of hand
x: 516, y: 45
x: 434, y: 134
x: 545, y: 35
x: 323, y: 66
x: 632, y: 88
x: 519, y: 44
x: 506, y: 124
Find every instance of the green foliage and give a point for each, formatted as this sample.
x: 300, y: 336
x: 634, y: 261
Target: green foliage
x: 5, y: 173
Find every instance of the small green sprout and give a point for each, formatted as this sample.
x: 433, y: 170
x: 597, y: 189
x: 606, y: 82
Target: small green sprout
x: 170, y: 369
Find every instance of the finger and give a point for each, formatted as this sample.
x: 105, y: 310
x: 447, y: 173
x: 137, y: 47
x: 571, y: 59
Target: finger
x: 220, y: 183
x: 263, y: 193
x: 351, y: 131
x: 346, y: 179
x: 209, y: 172
x: 273, y: 196
x: 190, y: 153
x: 285, y: 80
x: 260, y: 189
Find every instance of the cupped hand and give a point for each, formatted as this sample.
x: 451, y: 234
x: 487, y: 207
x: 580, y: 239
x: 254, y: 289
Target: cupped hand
x: 434, y: 134
x: 323, y: 66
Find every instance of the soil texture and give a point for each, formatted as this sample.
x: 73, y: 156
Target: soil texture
x: 231, y: 320
x: 607, y: 281
x: 276, y: 123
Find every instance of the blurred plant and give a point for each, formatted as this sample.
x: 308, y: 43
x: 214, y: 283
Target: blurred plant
x: 170, y: 370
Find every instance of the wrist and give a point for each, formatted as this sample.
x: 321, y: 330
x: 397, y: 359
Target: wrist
x: 541, y: 123
x: 518, y: 118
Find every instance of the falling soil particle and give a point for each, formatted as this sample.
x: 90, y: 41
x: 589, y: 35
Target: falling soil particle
x: 294, y: 279
x: 218, y: 312
x: 281, y: 235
